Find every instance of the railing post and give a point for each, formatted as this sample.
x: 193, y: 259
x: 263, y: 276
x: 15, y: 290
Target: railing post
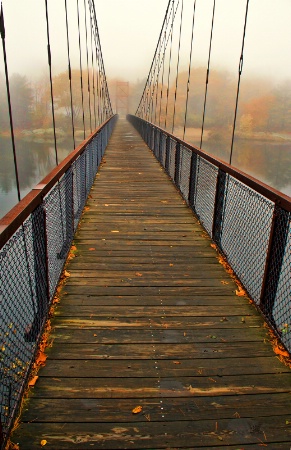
x: 219, y: 207
x: 41, y: 273
x: 274, y: 261
x: 192, y: 180
x: 177, y: 163
x: 167, y: 162
x: 161, y: 147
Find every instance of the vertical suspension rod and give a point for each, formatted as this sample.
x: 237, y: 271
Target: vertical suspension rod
x: 165, y: 18
x: 207, y: 74
x: 239, y: 78
x: 81, y: 69
x: 51, y: 80
x: 189, y: 72
x: 2, y: 32
x: 70, y: 73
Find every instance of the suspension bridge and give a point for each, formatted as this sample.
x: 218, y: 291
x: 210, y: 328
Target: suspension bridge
x: 145, y: 283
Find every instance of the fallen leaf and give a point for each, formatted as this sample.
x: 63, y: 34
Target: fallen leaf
x: 95, y: 335
x: 278, y: 351
x: 138, y: 274
x: 86, y: 208
x: 43, y: 442
x: 176, y: 362
x: 73, y: 248
x: 213, y: 246
x: 240, y: 293
x: 33, y: 381
x: 14, y: 446
x: 92, y: 249
x: 41, y: 359
x: 67, y: 274
x: 137, y: 410
x: 224, y: 282
x: 171, y: 265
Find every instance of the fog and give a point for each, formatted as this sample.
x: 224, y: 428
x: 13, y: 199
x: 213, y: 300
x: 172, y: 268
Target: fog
x: 129, y: 31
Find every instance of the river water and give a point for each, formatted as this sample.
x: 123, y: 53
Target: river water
x: 270, y: 162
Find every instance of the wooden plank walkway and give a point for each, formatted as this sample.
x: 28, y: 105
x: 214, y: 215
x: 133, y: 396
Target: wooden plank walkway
x: 149, y: 318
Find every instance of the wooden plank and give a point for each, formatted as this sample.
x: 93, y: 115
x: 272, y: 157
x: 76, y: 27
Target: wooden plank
x: 125, y: 336
x: 148, y: 300
x: 153, y: 311
x: 148, y: 317
x: 176, y: 367
x: 165, y: 323
x: 161, y: 351
x: 108, y: 410
x: 164, y: 434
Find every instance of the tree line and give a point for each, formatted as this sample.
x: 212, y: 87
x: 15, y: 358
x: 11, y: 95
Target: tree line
x: 264, y: 106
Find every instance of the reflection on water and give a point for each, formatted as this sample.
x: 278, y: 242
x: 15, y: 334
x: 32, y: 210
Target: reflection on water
x: 34, y: 161
x: 268, y: 161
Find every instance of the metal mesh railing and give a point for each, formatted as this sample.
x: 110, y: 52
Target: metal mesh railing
x: 31, y: 262
x: 249, y: 222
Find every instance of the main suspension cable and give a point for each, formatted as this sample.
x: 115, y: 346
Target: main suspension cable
x: 207, y: 74
x: 239, y: 78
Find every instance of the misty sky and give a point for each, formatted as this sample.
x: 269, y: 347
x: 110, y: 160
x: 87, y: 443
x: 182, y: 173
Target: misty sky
x: 129, y: 30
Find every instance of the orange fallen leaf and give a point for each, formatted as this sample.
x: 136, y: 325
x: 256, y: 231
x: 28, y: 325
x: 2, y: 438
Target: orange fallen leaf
x: 43, y: 442
x: 33, y: 381
x: 171, y: 265
x: 86, y: 208
x: 92, y: 249
x: 138, y: 274
x: 137, y: 410
x: 73, y: 248
x: 14, y: 446
x: 224, y: 282
x: 240, y: 293
x: 176, y: 362
x: 278, y: 351
x: 67, y: 274
x: 213, y: 246
x: 41, y: 359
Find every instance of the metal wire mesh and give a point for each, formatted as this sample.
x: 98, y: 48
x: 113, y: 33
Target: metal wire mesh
x: 162, y: 149
x: 185, y: 166
x: 205, y: 192
x: 59, y: 206
x: 79, y: 187
x: 24, y: 306
x: 275, y: 303
x: 172, y: 157
x: 245, y: 234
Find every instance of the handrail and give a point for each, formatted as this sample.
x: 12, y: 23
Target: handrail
x: 249, y: 221
x: 16, y: 216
